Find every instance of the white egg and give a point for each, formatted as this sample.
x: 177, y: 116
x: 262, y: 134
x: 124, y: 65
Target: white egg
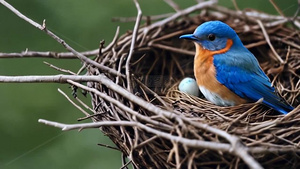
x: 189, y: 86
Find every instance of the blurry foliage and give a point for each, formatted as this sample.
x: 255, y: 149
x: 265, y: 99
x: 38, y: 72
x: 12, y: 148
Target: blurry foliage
x: 24, y: 142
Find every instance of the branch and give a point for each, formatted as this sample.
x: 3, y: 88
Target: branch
x: 47, y: 79
x: 122, y: 106
x: 73, y: 103
x: 133, y: 40
x: 60, y: 55
x: 235, y: 142
x: 172, y: 4
x: 181, y: 13
x: 268, y: 41
x: 59, y: 40
x: 49, y: 54
x: 188, y: 142
x: 144, y: 18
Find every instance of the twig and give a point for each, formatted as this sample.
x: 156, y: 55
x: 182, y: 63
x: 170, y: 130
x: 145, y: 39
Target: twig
x: 125, y: 93
x: 173, y: 49
x: 49, y: 54
x: 113, y: 42
x: 133, y: 40
x: 121, y: 106
x: 126, y: 164
x: 269, y: 42
x: 235, y: 5
x: 60, y: 55
x: 277, y: 8
x: 86, y: 106
x: 146, y: 142
x: 180, y: 13
x: 133, y: 98
x: 59, y: 69
x: 188, y: 142
x: 59, y: 40
x: 48, y: 79
x: 133, y: 19
x: 272, y: 150
x: 108, y: 146
x: 74, y: 104
x: 172, y: 4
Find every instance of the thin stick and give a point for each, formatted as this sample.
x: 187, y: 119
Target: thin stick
x: 144, y: 18
x: 48, y: 54
x: 188, y: 142
x: 133, y: 40
x: 59, y: 55
x: 108, y: 146
x: 173, y: 5
x: 277, y: 8
x: 268, y: 41
x: 71, y: 101
x: 181, y: 13
x: 59, y: 69
x: 125, y: 93
x: 173, y: 49
x: 85, y: 106
x: 120, y: 105
x: 235, y: 5
x: 59, y: 40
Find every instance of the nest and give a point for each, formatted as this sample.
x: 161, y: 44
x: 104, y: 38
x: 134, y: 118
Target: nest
x: 175, y: 130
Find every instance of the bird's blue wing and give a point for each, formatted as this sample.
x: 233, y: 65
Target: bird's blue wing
x: 244, y: 77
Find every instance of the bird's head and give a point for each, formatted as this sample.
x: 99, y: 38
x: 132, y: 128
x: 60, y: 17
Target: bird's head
x: 212, y: 35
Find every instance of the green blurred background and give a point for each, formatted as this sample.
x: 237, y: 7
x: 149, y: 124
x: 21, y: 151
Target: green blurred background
x: 24, y: 143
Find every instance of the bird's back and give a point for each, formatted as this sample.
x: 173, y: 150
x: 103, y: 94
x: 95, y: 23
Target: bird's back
x: 239, y: 71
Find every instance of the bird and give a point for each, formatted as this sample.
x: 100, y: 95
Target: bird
x: 226, y: 72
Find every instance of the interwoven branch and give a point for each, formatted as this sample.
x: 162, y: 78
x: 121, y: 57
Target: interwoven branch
x: 133, y: 85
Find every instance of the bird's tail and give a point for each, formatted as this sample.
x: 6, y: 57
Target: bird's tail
x: 279, y: 105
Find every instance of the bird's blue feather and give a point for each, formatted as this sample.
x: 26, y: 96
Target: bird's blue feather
x: 243, y: 76
x: 237, y: 68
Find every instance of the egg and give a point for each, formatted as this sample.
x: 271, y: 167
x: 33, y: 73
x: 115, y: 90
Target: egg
x: 189, y: 85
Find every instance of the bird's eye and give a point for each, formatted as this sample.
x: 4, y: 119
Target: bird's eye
x: 211, y: 37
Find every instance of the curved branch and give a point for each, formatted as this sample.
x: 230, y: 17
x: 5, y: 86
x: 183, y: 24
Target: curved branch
x: 132, y: 45
x: 188, y: 142
x: 60, y: 55
x: 181, y: 13
x: 59, y: 40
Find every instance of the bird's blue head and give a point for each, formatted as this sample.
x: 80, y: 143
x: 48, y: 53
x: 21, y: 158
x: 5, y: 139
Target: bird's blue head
x: 212, y: 35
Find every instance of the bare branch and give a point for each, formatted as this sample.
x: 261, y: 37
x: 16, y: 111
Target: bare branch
x: 73, y: 103
x: 133, y: 40
x: 60, y: 55
x: 235, y: 5
x: 188, y: 142
x: 125, y: 93
x: 181, y: 13
x: 172, y: 4
x: 59, y: 40
x: 121, y: 106
x: 144, y: 18
x: 47, y: 79
x: 60, y: 69
x: 49, y: 54
x: 268, y: 40
x: 276, y: 7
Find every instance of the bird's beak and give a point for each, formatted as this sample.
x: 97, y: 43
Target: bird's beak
x: 189, y: 37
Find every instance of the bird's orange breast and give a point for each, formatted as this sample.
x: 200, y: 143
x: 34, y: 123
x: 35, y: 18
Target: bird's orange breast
x: 205, y: 74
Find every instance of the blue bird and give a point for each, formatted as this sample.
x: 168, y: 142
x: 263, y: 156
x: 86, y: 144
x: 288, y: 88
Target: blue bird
x: 226, y: 72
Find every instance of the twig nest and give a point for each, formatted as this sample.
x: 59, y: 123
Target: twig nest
x: 161, y: 60
x: 189, y: 86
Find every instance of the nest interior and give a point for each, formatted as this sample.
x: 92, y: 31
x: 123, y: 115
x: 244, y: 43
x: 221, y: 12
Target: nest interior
x: 160, y: 60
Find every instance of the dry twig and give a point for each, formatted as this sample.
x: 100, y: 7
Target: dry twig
x: 153, y: 123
